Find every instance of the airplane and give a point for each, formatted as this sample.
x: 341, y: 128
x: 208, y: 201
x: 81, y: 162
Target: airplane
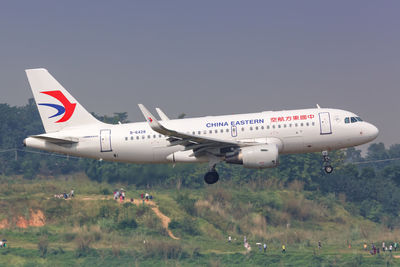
x: 254, y: 140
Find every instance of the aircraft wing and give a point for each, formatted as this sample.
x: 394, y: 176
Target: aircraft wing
x: 197, y: 143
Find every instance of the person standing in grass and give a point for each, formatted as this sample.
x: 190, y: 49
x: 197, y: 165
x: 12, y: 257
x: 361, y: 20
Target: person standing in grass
x: 383, y: 246
x: 319, y: 245
x: 283, y: 248
x: 265, y: 247
x: 396, y: 245
x: 365, y: 246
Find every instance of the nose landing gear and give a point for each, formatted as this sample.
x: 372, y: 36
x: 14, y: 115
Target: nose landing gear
x: 327, y: 162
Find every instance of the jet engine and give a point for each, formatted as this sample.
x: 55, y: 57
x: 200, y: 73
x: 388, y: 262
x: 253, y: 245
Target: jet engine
x: 256, y: 157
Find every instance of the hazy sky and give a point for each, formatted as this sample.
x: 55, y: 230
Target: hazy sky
x: 209, y: 57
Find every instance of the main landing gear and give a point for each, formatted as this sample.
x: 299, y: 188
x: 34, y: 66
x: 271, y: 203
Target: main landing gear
x: 212, y: 176
x: 327, y: 162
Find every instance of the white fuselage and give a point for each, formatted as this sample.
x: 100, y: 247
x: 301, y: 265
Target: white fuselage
x: 294, y: 131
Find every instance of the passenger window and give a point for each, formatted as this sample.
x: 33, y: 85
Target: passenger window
x: 347, y: 120
x: 205, y: 131
x: 262, y: 127
x: 126, y: 138
x: 222, y: 130
x: 227, y: 130
x: 307, y: 124
x: 256, y: 127
x: 279, y: 126
x: 131, y: 137
x: 268, y: 127
x: 273, y: 126
x: 216, y: 131
x: 242, y: 129
x: 143, y: 137
x: 251, y: 128
x: 353, y: 120
x: 154, y: 136
x: 193, y: 132
x: 210, y: 131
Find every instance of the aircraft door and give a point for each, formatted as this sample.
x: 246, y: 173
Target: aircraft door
x: 234, y: 131
x: 105, y: 140
x: 325, y: 123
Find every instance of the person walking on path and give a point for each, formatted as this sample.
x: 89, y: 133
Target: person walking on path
x: 396, y: 245
x: 319, y: 245
x: 265, y: 247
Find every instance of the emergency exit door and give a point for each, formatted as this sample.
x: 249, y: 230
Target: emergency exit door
x: 105, y: 140
x: 325, y: 123
x: 234, y: 131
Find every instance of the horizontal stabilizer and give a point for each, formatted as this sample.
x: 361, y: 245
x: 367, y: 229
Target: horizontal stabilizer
x: 57, y: 140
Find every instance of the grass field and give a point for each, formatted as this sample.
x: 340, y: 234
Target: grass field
x: 93, y: 229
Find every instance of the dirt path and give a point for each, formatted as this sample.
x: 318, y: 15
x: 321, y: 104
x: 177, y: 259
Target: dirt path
x: 164, y: 219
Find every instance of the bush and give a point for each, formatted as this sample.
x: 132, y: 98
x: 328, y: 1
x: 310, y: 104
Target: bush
x: 68, y: 237
x: 188, y: 226
x: 105, y: 191
x: 43, y: 245
x: 186, y: 203
x: 127, y: 224
x: 164, y: 249
x: 83, y: 242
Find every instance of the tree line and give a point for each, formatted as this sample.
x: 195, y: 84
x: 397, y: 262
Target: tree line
x: 371, y: 182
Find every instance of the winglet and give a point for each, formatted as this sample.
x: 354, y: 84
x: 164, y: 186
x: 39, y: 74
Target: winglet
x: 151, y: 119
x: 162, y: 115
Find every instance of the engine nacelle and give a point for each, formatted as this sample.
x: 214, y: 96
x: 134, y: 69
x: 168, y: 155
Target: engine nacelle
x: 256, y: 157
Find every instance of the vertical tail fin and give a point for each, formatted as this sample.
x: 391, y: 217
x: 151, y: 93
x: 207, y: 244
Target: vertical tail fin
x: 58, y: 109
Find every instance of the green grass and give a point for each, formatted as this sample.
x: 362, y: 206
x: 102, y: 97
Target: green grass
x: 93, y: 229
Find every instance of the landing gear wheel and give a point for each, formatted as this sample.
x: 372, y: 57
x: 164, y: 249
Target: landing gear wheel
x: 327, y: 162
x: 211, y: 177
x: 328, y: 169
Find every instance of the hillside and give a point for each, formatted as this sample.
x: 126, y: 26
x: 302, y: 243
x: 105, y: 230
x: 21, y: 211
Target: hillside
x: 94, y: 229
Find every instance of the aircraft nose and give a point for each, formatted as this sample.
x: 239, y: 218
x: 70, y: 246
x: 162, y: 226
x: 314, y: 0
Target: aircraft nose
x: 372, y: 131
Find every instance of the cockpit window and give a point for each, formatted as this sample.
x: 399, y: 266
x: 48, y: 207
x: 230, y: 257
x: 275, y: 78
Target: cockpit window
x: 353, y: 119
x: 359, y: 119
x: 347, y: 120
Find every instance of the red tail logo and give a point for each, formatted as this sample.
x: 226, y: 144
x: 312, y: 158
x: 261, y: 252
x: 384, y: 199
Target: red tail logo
x: 67, y: 107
